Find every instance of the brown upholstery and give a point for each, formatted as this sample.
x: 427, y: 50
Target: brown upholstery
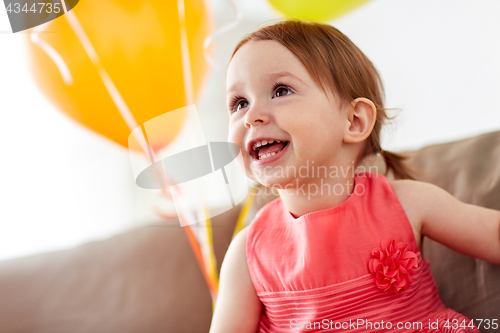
x: 470, y: 170
x: 147, y: 279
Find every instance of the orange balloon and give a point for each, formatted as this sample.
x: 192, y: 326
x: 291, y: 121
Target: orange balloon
x: 139, y: 46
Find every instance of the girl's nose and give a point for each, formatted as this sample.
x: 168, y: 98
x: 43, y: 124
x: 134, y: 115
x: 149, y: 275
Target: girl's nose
x: 256, y: 116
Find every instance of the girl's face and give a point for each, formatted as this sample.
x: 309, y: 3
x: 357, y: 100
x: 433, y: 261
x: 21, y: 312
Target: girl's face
x: 271, y: 96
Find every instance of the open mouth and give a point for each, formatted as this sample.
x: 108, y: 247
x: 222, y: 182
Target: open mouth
x: 265, y: 149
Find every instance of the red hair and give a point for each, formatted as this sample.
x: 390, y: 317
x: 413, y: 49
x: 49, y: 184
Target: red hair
x: 335, y: 63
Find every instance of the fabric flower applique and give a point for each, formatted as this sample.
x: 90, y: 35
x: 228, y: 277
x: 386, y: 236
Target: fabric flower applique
x: 393, y: 264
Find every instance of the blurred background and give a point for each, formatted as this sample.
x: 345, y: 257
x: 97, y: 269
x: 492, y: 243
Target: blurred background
x: 63, y: 184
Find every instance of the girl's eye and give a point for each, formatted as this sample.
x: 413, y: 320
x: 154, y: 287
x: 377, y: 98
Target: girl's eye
x: 281, y: 90
x: 241, y: 104
x: 237, y: 103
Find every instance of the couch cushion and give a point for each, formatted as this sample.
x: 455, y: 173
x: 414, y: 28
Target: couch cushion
x: 144, y: 280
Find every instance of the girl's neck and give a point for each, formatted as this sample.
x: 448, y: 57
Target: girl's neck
x: 312, y: 195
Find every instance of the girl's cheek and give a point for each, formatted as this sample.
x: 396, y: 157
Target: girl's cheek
x: 234, y: 135
x: 230, y: 136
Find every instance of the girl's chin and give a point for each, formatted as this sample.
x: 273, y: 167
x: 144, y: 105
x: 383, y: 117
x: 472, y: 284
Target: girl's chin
x: 272, y: 182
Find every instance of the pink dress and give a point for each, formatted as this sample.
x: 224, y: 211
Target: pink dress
x: 351, y: 268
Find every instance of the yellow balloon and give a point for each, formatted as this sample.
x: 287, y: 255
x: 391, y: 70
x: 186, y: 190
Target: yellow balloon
x: 315, y: 10
x: 138, y: 44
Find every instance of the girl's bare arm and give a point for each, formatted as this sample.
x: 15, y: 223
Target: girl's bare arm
x: 238, y: 307
x: 465, y: 228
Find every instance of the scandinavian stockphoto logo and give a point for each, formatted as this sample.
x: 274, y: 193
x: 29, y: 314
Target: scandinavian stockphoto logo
x: 26, y: 14
x: 202, y: 177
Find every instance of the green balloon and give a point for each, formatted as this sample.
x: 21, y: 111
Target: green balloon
x: 315, y: 10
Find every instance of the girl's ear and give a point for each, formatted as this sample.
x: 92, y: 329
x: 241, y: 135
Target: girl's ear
x: 362, y: 115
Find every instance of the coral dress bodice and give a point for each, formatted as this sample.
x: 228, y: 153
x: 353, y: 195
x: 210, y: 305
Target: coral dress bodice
x: 346, y: 268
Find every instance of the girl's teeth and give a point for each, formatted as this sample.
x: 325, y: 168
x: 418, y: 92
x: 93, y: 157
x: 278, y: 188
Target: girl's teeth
x: 266, y: 155
x: 263, y: 143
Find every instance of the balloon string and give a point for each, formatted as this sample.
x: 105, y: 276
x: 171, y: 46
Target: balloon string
x: 245, y: 211
x: 51, y: 52
x: 199, y: 257
x: 115, y: 95
x: 89, y: 49
x: 113, y: 92
x: 205, y: 239
x: 186, y: 66
x: 221, y: 30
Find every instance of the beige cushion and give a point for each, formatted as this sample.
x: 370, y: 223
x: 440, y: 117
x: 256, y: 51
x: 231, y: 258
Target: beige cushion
x: 146, y: 280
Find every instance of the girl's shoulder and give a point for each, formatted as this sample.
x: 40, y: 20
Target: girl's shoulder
x: 414, y: 197
x: 409, y: 194
x: 419, y: 200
